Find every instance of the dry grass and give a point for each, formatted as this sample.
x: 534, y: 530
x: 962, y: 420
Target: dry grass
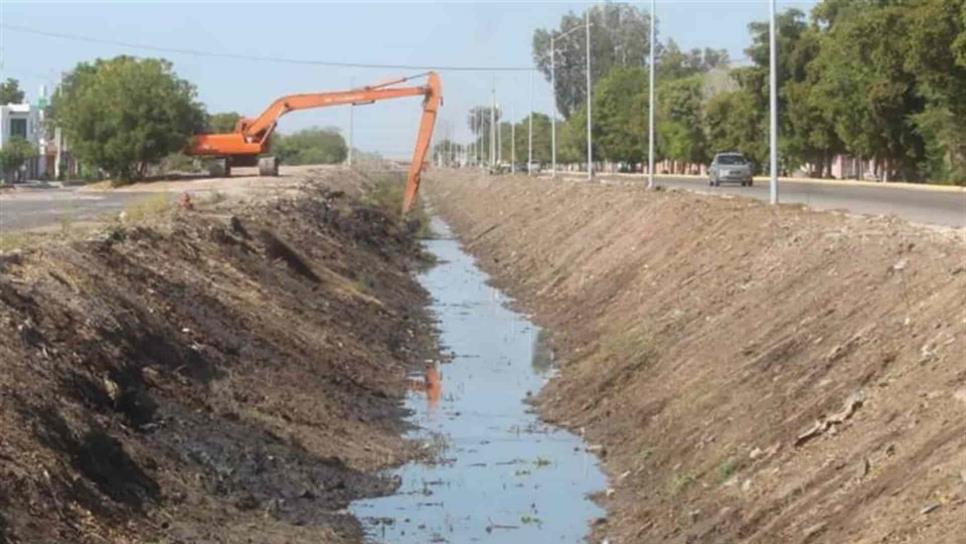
x: 151, y: 206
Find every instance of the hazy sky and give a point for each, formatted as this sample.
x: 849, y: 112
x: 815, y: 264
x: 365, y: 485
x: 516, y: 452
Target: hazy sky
x: 426, y: 33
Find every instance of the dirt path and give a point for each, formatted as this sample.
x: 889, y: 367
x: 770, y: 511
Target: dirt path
x: 754, y: 374
x: 227, y: 374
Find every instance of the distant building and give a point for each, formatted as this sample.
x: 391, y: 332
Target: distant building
x: 26, y: 121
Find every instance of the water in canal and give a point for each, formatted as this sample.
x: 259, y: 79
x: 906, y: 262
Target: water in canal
x: 502, y: 475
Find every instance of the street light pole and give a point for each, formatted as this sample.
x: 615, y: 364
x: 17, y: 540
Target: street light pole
x: 530, y: 130
x: 493, y: 125
x: 650, y: 108
x: 499, y: 136
x: 590, y: 156
x: 513, y: 142
x: 774, y: 103
x: 553, y: 109
x: 352, y: 109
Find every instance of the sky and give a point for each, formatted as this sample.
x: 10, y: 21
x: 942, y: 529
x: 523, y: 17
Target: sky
x: 484, y: 34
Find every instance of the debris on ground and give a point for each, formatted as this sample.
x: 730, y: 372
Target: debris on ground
x: 230, y: 375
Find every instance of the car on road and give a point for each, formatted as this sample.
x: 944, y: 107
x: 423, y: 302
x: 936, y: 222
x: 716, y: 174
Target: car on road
x: 729, y: 167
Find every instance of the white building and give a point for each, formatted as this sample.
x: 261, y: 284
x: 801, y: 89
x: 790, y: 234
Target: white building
x: 26, y: 121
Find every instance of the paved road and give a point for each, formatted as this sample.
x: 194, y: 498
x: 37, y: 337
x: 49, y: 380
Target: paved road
x: 918, y: 205
x: 40, y: 207
x: 32, y: 208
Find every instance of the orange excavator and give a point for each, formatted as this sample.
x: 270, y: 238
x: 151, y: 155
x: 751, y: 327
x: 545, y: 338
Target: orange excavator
x: 250, y: 141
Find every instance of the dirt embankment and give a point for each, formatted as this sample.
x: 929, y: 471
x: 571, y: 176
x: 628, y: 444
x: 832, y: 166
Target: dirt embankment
x: 228, y: 374
x: 756, y: 374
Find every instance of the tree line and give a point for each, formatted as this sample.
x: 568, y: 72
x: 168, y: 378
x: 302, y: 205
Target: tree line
x: 125, y: 116
x: 883, y: 81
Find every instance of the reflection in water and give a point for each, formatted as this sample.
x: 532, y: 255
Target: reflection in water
x: 542, y: 354
x: 430, y: 384
x: 502, y: 475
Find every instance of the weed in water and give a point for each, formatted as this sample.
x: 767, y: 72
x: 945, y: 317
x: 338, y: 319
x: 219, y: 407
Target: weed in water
x: 527, y: 519
x: 542, y: 462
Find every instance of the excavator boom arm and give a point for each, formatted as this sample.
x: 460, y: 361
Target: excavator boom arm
x: 295, y: 102
x: 252, y: 135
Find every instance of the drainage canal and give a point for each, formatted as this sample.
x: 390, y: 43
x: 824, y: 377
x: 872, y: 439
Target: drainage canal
x: 501, y: 474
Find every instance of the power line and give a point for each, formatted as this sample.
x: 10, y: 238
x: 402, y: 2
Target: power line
x: 261, y: 58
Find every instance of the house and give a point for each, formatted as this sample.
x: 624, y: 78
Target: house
x: 27, y: 121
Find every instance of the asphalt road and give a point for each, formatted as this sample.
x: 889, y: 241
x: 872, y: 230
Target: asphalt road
x: 28, y: 208
x: 917, y: 205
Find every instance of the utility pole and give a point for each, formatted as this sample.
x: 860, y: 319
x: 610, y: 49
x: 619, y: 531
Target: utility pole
x: 553, y: 109
x: 590, y: 156
x: 650, y: 108
x: 480, y: 147
x: 513, y: 142
x: 499, y: 138
x: 774, y: 103
x: 352, y: 109
x: 530, y: 130
x: 493, y: 125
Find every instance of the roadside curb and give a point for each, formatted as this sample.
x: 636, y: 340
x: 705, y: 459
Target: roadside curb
x: 759, y: 179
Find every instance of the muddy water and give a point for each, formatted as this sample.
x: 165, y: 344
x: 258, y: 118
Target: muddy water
x: 501, y: 475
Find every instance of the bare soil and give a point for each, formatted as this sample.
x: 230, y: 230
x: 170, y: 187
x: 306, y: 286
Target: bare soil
x: 231, y: 373
x: 751, y: 373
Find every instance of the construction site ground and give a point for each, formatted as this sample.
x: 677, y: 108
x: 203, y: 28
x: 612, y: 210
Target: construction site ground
x: 229, y: 371
x: 230, y: 367
x: 748, y: 373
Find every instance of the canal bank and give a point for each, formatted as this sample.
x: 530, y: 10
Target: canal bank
x: 754, y: 372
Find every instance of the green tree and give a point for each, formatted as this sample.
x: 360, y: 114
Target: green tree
x: 572, y: 138
x: 311, y: 146
x: 680, y: 121
x: 673, y: 63
x: 478, y: 120
x: 541, y: 139
x: 14, y: 154
x: 619, y: 36
x: 220, y: 123
x: 864, y: 83
x: 124, y: 114
x: 620, y: 115
x: 733, y: 123
x: 448, y: 149
x: 10, y: 92
x: 940, y: 71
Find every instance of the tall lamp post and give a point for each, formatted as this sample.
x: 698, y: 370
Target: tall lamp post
x: 650, y: 109
x: 773, y: 99
x: 530, y: 130
x: 590, y: 153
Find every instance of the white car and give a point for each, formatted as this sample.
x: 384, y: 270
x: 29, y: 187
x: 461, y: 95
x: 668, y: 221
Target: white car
x: 729, y: 167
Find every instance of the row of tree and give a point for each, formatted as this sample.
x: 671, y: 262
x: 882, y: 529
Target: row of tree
x: 123, y: 116
x: 878, y: 80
